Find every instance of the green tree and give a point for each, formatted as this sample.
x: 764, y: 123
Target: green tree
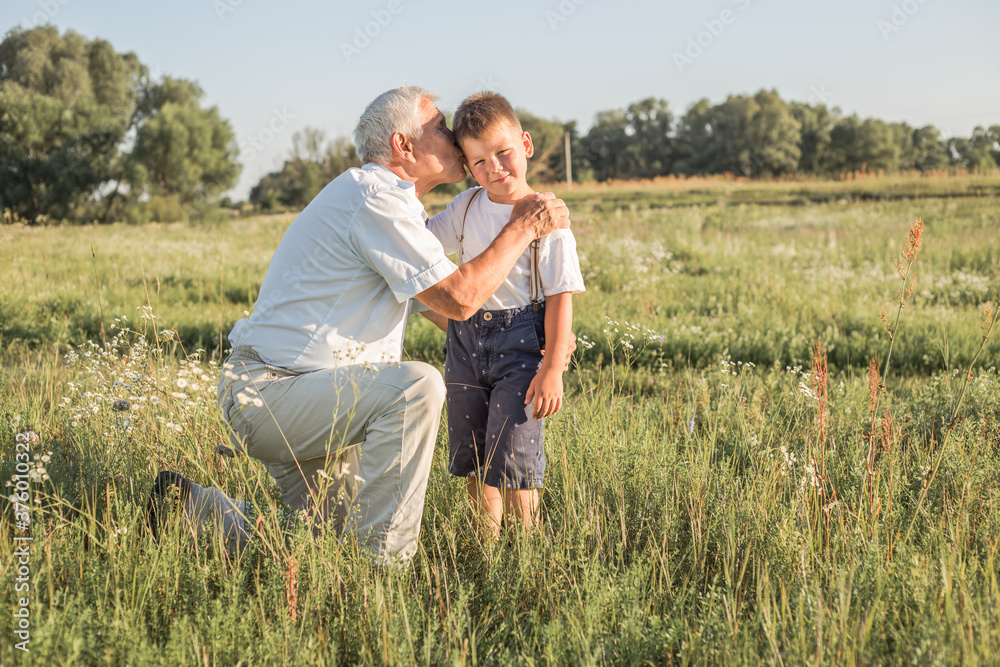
x: 815, y: 124
x: 294, y: 186
x: 693, y: 141
x: 929, y: 150
x: 649, y: 127
x: 313, y: 162
x: 902, y: 135
x: 857, y: 145
x: 605, y: 147
x: 183, y: 151
x: 66, y: 105
x: 334, y: 157
x: 976, y: 154
x: 84, y: 132
x: 746, y: 136
x: 338, y: 157
x: 308, y: 144
x: 774, y: 136
x: 636, y: 142
x: 994, y: 143
x: 546, y: 165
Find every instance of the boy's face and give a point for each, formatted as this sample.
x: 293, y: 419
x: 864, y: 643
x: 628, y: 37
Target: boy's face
x: 498, y: 160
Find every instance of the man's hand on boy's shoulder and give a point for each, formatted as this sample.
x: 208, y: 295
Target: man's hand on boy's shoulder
x: 542, y: 213
x: 546, y: 390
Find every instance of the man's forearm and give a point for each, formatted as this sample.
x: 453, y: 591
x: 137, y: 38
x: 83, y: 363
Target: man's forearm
x: 462, y: 293
x: 483, y: 275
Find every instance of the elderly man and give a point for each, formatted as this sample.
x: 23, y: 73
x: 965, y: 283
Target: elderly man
x: 315, y: 387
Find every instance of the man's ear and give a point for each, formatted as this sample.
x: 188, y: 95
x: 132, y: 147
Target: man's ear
x: 402, y: 148
x: 529, y: 149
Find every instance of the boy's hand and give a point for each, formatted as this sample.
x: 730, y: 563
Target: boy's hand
x: 546, y: 390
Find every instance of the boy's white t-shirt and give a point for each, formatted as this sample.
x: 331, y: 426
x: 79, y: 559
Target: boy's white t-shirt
x: 559, y: 266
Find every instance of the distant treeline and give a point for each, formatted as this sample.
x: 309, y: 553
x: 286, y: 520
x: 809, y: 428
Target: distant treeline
x: 764, y: 136
x: 747, y: 136
x: 90, y: 134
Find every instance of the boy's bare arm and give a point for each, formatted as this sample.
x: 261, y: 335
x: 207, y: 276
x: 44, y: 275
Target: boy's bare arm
x: 546, y: 389
x: 439, y: 320
x: 558, y: 331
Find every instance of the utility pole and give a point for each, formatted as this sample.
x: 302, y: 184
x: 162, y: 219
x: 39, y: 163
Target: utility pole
x: 569, y: 161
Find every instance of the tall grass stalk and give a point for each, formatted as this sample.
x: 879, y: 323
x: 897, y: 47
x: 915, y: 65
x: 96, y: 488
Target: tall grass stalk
x: 990, y: 313
x: 904, y: 265
x: 821, y: 389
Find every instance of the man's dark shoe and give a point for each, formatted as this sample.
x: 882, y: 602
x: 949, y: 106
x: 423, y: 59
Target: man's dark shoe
x: 169, y: 489
x: 225, y: 452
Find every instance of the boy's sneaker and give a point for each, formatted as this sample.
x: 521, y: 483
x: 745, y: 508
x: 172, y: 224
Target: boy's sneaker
x: 169, y: 489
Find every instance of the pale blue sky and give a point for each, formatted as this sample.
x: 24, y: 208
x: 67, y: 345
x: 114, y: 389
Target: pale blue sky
x: 283, y: 65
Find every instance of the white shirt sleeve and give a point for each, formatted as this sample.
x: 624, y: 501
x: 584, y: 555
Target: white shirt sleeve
x: 394, y: 241
x: 559, y: 264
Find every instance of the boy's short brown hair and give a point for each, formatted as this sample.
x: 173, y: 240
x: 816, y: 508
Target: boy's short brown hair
x: 480, y: 112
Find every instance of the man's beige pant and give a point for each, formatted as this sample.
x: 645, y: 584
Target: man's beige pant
x: 351, y: 446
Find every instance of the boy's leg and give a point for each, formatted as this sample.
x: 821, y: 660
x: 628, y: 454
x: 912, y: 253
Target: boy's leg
x: 493, y: 503
x: 486, y: 502
x: 523, y: 504
x: 515, y: 436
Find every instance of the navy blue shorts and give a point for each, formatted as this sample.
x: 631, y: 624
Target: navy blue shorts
x: 491, y: 359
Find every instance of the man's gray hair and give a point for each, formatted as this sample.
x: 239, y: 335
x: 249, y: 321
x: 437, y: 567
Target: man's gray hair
x: 396, y: 110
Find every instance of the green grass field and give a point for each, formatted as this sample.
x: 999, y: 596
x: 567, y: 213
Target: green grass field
x: 711, y: 496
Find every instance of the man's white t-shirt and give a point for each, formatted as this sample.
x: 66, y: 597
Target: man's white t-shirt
x: 338, y: 288
x: 559, y: 266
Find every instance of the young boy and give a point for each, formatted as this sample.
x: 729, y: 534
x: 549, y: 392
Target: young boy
x: 500, y: 386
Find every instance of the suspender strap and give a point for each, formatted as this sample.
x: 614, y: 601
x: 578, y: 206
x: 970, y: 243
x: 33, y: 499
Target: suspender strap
x: 461, y: 236
x: 534, y: 279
